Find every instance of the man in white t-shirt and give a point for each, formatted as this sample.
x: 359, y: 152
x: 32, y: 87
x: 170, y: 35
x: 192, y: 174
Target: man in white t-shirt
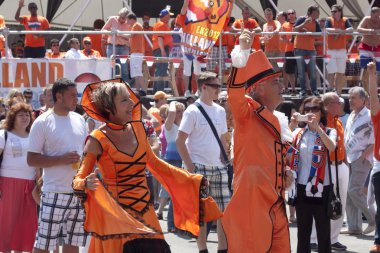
x: 56, y: 141
x: 200, y: 151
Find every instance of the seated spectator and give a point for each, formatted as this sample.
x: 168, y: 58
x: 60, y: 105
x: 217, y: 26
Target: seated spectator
x: 34, y: 43
x: 87, y: 49
x: 74, y: 52
x: 20, y: 49
x: 54, y: 47
x: 96, y: 39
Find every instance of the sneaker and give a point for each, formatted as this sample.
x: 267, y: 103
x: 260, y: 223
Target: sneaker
x: 369, y: 229
x: 351, y: 232
x: 187, y: 93
x: 159, y: 216
x: 302, y: 94
x: 338, y: 246
x: 315, y: 93
x: 314, y: 246
x: 375, y: 249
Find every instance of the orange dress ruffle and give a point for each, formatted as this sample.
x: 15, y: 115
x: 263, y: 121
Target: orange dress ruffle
x: 119, y: 211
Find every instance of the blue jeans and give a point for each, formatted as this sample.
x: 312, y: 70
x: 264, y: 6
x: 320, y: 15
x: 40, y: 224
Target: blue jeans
x: 170, y: 210
x: 301, y: 66
x: 161, y: 70
x: 120, y: 50
x: 376, y: 186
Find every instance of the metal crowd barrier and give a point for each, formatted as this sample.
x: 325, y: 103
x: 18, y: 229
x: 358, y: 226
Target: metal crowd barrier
x: 6, y: 32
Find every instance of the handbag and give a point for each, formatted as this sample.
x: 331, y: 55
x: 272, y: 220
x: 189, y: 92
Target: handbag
x: 230, y: 170
x: 334, y: 207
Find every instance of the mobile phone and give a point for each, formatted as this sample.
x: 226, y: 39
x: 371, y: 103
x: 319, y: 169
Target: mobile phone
x: 302, y: 118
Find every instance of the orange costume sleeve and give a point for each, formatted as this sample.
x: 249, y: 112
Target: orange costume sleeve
x: 184, y: 189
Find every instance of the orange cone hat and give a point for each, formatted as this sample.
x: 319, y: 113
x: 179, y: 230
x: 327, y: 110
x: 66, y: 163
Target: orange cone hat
x: 257, y: 69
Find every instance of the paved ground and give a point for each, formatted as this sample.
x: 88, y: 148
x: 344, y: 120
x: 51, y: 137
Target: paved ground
x: 181, y: 244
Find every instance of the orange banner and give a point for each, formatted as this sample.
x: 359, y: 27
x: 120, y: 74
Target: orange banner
x: 203, y: 24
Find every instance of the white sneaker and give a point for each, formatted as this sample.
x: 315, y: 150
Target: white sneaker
x: 369, y: 229
x: 187, y: 93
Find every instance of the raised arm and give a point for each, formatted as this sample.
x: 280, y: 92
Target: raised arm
x: 374, y: 100
x: 171, y: 116
x: 17, y: 14
x: 184, y: 7
x: 236, y: 81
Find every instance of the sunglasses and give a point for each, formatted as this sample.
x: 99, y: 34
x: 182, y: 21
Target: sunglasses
x: 214, y: 85
x: 312, y: 109
x: 87, y: 43
x: 55, y: 45
x: 291, y: 13
x: 334, y: 11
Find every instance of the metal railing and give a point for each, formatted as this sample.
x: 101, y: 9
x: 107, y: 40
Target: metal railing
x: 6, y: 32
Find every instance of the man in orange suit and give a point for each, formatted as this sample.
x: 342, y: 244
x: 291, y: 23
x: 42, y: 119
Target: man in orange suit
x: 255, y: 219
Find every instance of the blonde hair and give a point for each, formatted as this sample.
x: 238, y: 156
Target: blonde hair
x: 104, y: 97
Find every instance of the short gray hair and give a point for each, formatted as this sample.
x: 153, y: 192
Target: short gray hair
x: 328, y: 96
x: 358, y: 90
x: 123, y: 12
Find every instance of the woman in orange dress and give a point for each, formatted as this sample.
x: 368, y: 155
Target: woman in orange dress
x: 116, y: 196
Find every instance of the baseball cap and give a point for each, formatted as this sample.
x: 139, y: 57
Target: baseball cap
x: 160, y: 95
x: 87, y: 39
x: 165, y: 12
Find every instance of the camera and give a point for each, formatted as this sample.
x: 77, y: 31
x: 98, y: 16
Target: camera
x: 302, y: 118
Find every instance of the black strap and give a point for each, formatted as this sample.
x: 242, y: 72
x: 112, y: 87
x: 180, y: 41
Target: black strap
x: 5, y: 143
x: 224, y: 154
x: 336, y: 167
x: 336, y: 171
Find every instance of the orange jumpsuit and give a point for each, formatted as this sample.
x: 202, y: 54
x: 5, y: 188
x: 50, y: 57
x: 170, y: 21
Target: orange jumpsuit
x: 255, y: 220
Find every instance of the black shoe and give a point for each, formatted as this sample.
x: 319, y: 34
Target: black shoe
x: 314, y: 246
x: 338, y: 246
x: 159, y: 216
x: 302, y: 94
x: 316, y: 93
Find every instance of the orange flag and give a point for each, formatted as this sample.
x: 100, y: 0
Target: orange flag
x: 203, y: 24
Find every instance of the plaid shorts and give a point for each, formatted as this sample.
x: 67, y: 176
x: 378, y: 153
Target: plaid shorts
x: 218, y: 180
x: 61, y: 219
x: 213, y: 56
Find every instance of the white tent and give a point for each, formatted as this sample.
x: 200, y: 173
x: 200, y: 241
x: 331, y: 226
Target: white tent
x: 70, y: 9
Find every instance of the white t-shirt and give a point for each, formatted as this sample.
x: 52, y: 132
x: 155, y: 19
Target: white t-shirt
x: 202, y: 145
x: 54, y: 135
x: 14, y: 163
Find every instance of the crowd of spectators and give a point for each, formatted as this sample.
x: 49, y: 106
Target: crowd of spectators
x: 300, y: 57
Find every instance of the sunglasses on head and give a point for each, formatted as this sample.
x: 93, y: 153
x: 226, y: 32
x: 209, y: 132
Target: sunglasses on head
x: 312, y: 109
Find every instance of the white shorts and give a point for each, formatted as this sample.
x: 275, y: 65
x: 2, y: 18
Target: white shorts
x: 187, y: 66
x: 61, y: 218
x: 337, y: 62
x: 136, y: 64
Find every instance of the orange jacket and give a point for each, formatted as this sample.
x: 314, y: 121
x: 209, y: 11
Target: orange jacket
x: 251, y: 219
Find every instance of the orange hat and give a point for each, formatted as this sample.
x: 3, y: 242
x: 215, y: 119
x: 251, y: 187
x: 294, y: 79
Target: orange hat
x: 257, y: 69
x: 91, y: 110
x: 87, y: 39
x: 160, y: 95
x: 2, y: 21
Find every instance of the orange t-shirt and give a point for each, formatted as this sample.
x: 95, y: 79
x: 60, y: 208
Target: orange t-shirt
x: 288, y: 27
x: 92, y: 53
x: 168, y: 38
x: 155, y: 112
x: 336, y: 41
x: 51, y: 55
x: 376, y: 127
x: 137, y: 41
x: 96, y: 40
x: 336, y: 123
x: 306, y: 42
x: 273, y: 42
x: 148, y: 48
x: 224, y: 37
x: 38, y: 23
x: 249, y: 24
